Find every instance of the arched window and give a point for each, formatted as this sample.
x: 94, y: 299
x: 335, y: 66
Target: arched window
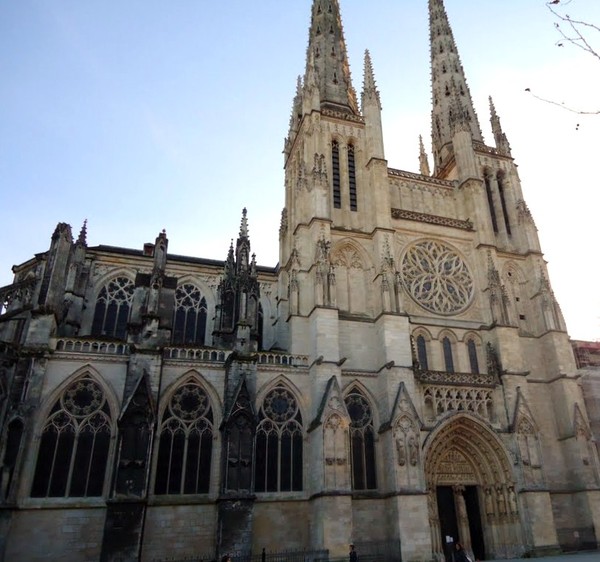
x: 279, y: 443
x: 448, y: 359
x: 500, y: 179
x: 362, y: 441
x: 74, y: 444
x: 189, y: 323
x: 422, y: 353
x: 185, y: 443
x: 261, y: 326
x: 490, y: 198
x: 335, y: 167
x: 112, y: 308
x: 473, y: 361
x: 352, y: 178
x: 11, y: 453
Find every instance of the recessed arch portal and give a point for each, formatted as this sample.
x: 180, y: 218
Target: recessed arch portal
x: 472, y: 495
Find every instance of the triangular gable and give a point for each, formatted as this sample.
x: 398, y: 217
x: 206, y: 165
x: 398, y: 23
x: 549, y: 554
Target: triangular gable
x: 332, y: 401
x: 402, y: 405
x: 240, y: 402
x: 142, y: 393
x: 522, y: 411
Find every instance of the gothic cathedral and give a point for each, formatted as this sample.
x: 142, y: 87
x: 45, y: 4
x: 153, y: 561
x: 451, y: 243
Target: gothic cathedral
x: 402, y: 379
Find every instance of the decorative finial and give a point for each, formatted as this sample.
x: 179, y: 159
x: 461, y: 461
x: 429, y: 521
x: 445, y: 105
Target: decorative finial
x: 82, y: 239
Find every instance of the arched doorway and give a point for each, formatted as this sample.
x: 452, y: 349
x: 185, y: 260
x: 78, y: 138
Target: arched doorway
x: 472, y: 497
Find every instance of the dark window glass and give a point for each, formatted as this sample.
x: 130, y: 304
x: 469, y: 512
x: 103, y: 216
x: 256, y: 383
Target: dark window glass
x: 335, y: 166
x: 362, y: 442
x: 352, y: 178
x: 279, y: 443
x: 472, y: 348
x: 112, y: 308
x: 500, y: 179
x: 422, y: 353
x: 448, y: 359
x: 74, y: 444
x: 185, y: 443
x: 490, y: 198
x: 189, y: 322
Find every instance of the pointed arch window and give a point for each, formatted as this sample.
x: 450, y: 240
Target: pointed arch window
x: 112, y: 308
x: 189, y: 323
x: 473, y: 361
x: 352, y: 178
x: 422, y: 352
x: 500, y: 180
x: 279, y: 443
x: 74, y: 444
x: 448, y: 359
x: 362, y: 441
x: 14, y: 435
x: 185, y: 443
x: 335, y: 168
x: 490, y: 198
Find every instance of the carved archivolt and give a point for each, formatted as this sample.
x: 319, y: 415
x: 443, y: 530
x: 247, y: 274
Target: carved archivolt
x: 479, y: 456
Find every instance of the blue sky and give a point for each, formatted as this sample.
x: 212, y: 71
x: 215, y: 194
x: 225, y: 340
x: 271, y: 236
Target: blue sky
x: 140, y: 115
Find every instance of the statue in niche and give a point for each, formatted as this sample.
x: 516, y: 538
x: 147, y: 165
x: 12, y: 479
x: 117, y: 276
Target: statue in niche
x: 501, y: 500
x: 401, y: 450
x: 512, y: 500
x: 413, y: 449
x: 489, y: 502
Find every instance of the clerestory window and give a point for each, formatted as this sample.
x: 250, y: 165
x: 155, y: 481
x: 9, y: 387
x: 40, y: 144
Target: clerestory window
x: 335, y: 167
x: 422, y: 353
x: 112, y: 308
x: 189, y: 323
x: 473, y: 361
x: 352, y: 178
x: 448, y: 359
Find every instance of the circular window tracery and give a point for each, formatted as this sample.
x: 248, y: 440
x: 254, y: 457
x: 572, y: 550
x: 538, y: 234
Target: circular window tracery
x: 437, y: 278
x: 280, y: 405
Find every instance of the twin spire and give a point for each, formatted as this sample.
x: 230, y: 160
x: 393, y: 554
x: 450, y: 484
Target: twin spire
x: 327, y: 82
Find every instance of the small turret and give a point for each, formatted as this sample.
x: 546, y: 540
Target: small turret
x: 502, y: 144
x: 371, y: 108
x: 423, y: 160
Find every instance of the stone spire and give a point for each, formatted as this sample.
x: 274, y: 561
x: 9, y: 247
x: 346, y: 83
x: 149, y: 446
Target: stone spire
x: 502, y: 144
x: 448, y: 84
x: 423, y: 160
x: 327, y: 48
x: 371, y: 108
x: 82, y: 239
x: 370, y: 94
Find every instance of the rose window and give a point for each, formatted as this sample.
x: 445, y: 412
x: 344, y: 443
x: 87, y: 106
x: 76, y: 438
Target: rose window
x: 437, y: 278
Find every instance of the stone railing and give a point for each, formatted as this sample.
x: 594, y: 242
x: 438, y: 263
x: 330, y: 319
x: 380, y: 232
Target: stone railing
x: 459, y: 379
x: 16, y: 297
x: 283, y: 359
x: 73, y: 345
x: 207, y: 355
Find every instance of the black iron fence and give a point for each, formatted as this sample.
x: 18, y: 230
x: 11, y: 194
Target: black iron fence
x: 368, y: 551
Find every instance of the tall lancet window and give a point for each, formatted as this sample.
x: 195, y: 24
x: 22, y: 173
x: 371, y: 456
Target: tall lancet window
x: 112, y: 308
x: 74, y: 444
x: 335, y: 173
x: 448, y: 359
x: 473, y: 361
x: 362, y: 441
x: 352, y: 178
x: 189, y: 324
x: 500, y: 179
x: 279, y: 444
x: 422, y: 353
x: 185, y: 443
x: 490, y: 198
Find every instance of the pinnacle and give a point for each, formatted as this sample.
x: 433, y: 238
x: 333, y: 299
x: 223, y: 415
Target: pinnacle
x: 370, y: 91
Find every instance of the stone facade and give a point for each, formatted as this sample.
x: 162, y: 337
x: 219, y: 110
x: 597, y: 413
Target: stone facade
x: 403, y: 375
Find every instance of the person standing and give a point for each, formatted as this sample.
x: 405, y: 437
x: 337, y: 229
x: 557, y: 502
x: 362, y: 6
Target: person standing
x: 459, y: 553
x: 352, y: 554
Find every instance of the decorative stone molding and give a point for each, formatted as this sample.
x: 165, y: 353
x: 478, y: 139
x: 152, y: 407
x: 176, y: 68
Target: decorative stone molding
x: 432, y: 219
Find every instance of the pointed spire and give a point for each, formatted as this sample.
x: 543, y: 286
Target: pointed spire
x: 370, y: 94
x: 244, y: 224
x: 447, y: 77
x: 82, y: 238
x: 423, y: 160
x: 327, y: 45
x: 502, y: 144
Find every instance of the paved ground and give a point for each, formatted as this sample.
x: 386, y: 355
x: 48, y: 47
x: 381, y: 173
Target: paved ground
x: 577, y: 557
